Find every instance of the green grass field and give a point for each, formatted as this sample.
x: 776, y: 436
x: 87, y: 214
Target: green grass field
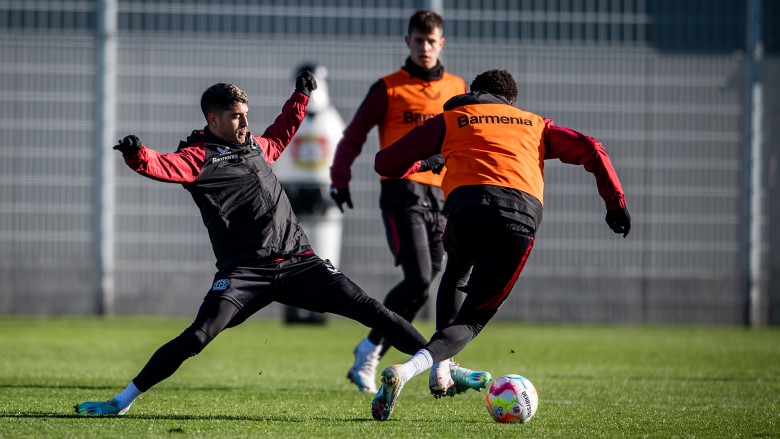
x: 265, y: 379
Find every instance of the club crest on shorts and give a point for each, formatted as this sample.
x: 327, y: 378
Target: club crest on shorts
x: 220, y: 284
x: 330, y: 267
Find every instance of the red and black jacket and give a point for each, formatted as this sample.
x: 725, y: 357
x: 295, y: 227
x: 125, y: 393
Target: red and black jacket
x: 243, y: 206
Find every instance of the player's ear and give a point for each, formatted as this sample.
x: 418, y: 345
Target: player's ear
x: 441, y: 42
x: 407, y: 40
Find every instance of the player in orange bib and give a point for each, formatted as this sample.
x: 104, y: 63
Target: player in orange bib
x: 411, y: 205
x: 494, y: 155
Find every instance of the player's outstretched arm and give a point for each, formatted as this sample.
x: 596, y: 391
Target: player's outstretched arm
x: 573, y: 147
x: 278, y: 135
x: 182, y: 166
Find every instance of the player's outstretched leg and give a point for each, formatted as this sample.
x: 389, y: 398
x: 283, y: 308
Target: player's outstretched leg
x: 118, y: 405
x: 101, y: 408
x: 363, y: 371
x: 393, y: 381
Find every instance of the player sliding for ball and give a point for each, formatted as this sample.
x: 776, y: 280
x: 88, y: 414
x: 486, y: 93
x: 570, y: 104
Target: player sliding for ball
x: 494, y: 154
x: 262, y: 253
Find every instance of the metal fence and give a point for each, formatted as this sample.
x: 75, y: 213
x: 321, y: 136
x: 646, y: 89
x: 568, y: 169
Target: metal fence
x: 661, y: 84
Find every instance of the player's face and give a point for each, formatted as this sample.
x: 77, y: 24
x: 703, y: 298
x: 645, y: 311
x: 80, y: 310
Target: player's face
x: 424, y: 48
x: 231, y: 125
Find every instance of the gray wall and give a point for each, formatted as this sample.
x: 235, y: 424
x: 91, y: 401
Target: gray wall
x: 661, y: 87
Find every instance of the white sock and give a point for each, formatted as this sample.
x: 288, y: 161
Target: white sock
x: 419, y: 363
x: 127, y: 396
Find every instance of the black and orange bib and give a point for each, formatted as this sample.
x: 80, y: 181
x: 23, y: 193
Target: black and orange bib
x: 494, y: 144
x: 411, y: 101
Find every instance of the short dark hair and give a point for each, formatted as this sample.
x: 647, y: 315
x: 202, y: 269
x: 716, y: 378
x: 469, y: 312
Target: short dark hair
x: 497, y: 82
x: 425, y: 22
x: 220, y: 97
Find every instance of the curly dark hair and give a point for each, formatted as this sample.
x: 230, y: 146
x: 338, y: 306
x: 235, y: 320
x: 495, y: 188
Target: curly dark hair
x: 497, y: 82
x: 219, y: 97
x: 425, y: 22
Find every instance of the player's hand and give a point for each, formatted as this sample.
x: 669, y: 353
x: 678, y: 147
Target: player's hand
x: 129, y: 145
x: 305, y: 83
x: 619, y: 221
x: 434, y: 163
x: 341, y: 196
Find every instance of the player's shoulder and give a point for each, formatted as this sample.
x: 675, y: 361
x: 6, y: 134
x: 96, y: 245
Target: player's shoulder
x: 452, y: 77
x: 196, y: 140
x: 394, y: 76
x: 454, y: 80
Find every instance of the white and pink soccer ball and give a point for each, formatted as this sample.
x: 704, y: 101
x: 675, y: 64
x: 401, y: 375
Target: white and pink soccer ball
x: 512, y: 399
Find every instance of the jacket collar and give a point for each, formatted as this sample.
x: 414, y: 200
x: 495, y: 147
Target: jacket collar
x: 206, y: 136
x: 475, y: 97
x: 416, y: 71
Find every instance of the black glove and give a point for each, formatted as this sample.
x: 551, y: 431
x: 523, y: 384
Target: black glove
x: 305, y: 83
x: 619, y: 221
x: 434, y: 163
x: 341, y: 196
x: 130, y: 145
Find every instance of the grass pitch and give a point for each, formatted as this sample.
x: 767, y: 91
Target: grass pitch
x: 265, y: 379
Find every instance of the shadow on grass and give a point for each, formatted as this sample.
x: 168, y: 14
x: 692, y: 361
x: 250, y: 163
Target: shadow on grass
x: 279, y: 418
x: 112, y: 388
x: 740, y: 379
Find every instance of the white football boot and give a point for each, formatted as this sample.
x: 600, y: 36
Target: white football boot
x: 440, y: 380
x: 363, y: 372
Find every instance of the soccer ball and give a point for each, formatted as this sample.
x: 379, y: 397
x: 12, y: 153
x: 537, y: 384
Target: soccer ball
x: 512, y: 399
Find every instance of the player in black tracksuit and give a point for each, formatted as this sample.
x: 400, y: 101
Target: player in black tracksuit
x: 263, y: 254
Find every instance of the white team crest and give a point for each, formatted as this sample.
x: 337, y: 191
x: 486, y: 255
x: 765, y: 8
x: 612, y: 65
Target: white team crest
x: 223, y: 149
x: 220, y: 284
x: 330, y: 267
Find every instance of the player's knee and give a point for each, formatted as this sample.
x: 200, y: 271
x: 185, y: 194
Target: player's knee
x: 475, y: 329
x: 468, y: 328
x: 193, y: 341
x: 238, y: 319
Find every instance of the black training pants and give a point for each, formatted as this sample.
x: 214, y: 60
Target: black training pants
x: 494, y: 249
x: 306, y: 282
